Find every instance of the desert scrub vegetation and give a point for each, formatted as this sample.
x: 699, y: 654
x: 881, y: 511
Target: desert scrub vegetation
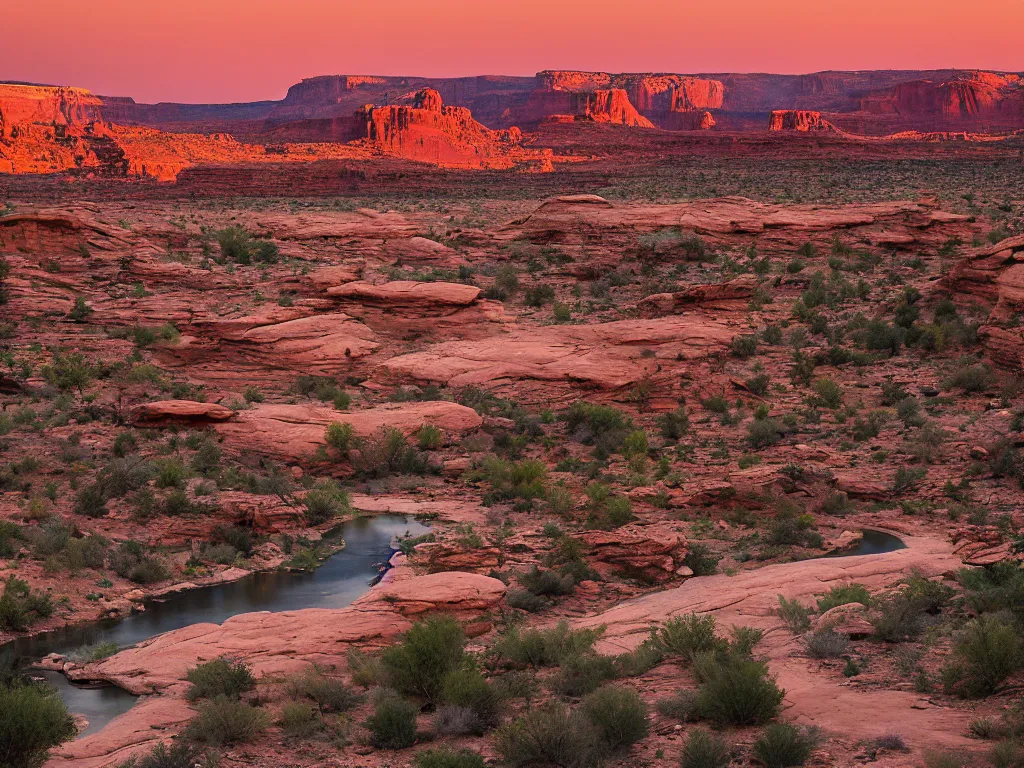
x: 219, y: 677
x: 33, y: 719
x: 222, y: 721
x: 523, y: 482
x: 21, y: 606
x: 392, y: 725
x: 238, y: 246
x: 429, y: 651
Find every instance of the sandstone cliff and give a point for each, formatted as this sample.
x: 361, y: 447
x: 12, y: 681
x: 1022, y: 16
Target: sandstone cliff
x: 798, y: 120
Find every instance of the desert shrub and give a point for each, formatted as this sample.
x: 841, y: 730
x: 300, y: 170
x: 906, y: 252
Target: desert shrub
x: 387, y: 451
x: 843, y: 594
x: 446, y: 757
x: 970, y: 377
x: 701, y: 560
x: 207, y: 458
x: 907, y: 478
x: 69, y: 370
x: 898, y: 618
x: 325, y: 501
x: 219, y: 677
x: 879, y: 336
x: 737, y: 691
x: 602, y: 426
x: 393, y: 722
x: 681, y: 706
x: 704, y: 749
x: 239, y: 246
x: 181, y: 754
x: 341, y: 437
x: 674, y: 424
x: 791, y: 528
x: 468, y: 689
x: 366, y: 671
x: 549, y: 736
x: 826, y: 643
x: 646, y: 656
x: 524, y: 600
x: 538, y: 295
x: 687, y: 635
x: 429, y: 651
x: 429, y: 437
x: 522, y: 481
x: 544, y: 647
x: 581, y: 674
x: 933, y: 759
x: 782, y: 745
x: 828, y: 394
x: 21, y: 606
x: 986, y: 653
x: 544, y: 582
x: 91, y: 501
x: 32, y: 720
x: 222, y: 721
x: 891, y: 742
x: 619, y: 716
x: 130, y: 561
x: 763, y: 432
x: 744, y: 345
x: 328, y: 693
x: 299, y: 721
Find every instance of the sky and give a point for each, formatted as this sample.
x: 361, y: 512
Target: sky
x: 248, y: 50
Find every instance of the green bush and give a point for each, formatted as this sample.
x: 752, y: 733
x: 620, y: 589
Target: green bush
x: 581, y: 674
x: 744, y: 345
x: 602, y: 426
x: 219, y: 677
x: 544, y: 582
x: 429, y: 437
x: 646, y: 656
x: 429, y: 651
x: 299, y: 721
x: 131, y: 562
x: 764, y: 432
x: 468, y: 689
x: 238, y: 246
x: 690, y: 634
x: 701, y: 560
x: 549, y: 736
x: 32, y: 720
x: 674, y: 424
x: 181, y: 754
x: 325, y: 501
x: 986, y: 653
x: 539, y: 294
x: 513, y: 480
x: 844, y: 594
x: 393, y: 722
x: 340, y: 437
x: 681, y: 706
x: 970, y: 377
x: 619, y: 716
x: 446, y: 757
x: 222, y: 721
x: 826, y: 643
x: 387, y: 451
x: 20, y: 606
x: 737, y: 691
x: 898, y: 618
x: 705, y: 750
x: 544, y: 647
x: 783, y: 745
x: 828, y: 393
x: 328, y: 693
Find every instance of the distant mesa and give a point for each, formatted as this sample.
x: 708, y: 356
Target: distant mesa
x: 798, y: 120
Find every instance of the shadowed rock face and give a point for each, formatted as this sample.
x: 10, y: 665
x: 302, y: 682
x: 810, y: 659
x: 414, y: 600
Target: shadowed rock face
x: 798, y: 120
x: 995, y: 275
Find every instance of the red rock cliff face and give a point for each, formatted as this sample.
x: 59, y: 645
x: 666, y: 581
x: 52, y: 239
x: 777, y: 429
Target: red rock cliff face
x: 429, y: 131
x: 976, y: 96
x: 67, y: 108
x: 610, y: 106
x: 674, y: 102
x: 798, y: 120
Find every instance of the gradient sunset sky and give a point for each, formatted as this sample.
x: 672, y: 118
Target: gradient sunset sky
x: 246, y: 50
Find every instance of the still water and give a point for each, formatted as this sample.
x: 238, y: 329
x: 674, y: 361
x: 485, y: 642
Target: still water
x: 369, y: 544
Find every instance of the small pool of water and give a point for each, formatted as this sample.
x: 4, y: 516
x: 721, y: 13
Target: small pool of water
x: 341, y: 579
x: 873, y: 543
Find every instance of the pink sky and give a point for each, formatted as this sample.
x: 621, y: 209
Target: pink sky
x: 235, y: 50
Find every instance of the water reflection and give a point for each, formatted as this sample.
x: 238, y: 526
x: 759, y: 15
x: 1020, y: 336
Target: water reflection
x: 872, y: 543
x: 339, y: 581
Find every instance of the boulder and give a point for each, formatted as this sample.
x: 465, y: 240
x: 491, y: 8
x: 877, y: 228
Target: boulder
x: 185, y: 411
x: 407, y: 292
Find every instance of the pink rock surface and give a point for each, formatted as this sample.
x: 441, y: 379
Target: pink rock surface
x: 407, y: 292
x: 297, y: 431
x: 163, y: 411
x: 607, y: 355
